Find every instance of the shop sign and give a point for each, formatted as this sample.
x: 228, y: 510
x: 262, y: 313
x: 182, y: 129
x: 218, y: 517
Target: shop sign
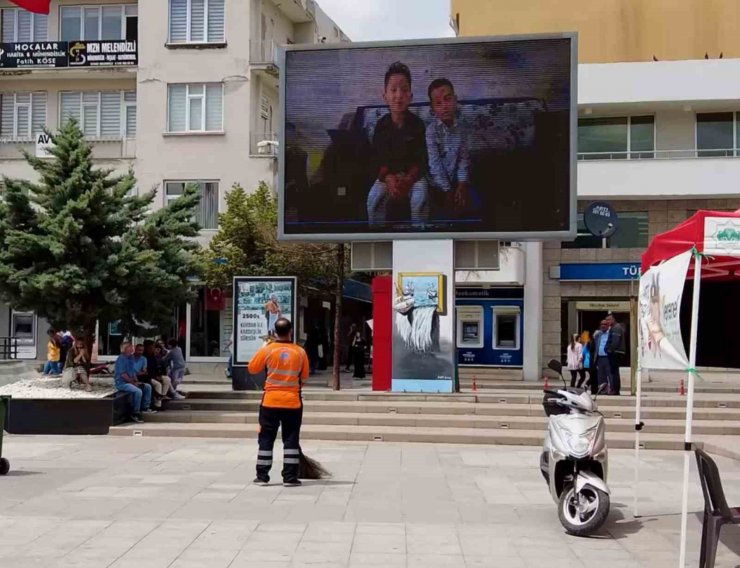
x: 35, y: 54
x: 120, y: 53
x: 598, y: 271
x: 603, y: 306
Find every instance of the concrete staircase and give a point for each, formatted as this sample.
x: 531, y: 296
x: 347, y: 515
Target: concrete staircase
x: 504, y: 416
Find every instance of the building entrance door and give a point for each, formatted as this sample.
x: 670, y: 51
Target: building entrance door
x: 590, y: 319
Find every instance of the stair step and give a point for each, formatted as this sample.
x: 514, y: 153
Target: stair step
x: 708, y: 427
x: 392, y: 434
x: 456, y: 405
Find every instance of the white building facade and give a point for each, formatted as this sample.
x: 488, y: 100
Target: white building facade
x: 194, y: 100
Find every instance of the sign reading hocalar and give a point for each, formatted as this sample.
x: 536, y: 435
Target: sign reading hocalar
x: 661, y: 290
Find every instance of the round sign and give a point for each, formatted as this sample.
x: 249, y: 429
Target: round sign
x: 601, y: 220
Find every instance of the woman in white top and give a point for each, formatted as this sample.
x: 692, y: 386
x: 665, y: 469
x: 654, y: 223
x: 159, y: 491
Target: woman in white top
x: 574, y: 361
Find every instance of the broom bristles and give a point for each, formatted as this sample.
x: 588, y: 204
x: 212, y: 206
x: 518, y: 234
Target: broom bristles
x: 310, y: 469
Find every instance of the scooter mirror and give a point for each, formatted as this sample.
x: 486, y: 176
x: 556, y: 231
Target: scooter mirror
x: 556, y: 366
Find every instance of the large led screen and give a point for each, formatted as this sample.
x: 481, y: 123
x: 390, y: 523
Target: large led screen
x: 469, y: 137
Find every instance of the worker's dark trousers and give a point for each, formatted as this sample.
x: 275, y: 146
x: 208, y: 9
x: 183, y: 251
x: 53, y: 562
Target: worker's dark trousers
x: 290, y: 421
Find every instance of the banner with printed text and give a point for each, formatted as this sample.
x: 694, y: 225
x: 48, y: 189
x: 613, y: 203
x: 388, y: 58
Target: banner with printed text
x: 661, y: 290
x: 258, y: 304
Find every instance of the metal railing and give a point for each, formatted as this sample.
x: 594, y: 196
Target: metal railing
x: 8, y: 348
x: 104, y: 147
x: 661, y: 154
x: 262, y: 52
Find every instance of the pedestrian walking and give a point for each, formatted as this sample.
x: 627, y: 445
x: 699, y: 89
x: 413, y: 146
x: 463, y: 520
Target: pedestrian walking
x: 601, y: 337
x: 53, y: 364
x: 616, y: 347
x: 350, y: 355
x: 358, y: 351
x: 574, y: 361
x: 287, y: 370
x: 589, y: 362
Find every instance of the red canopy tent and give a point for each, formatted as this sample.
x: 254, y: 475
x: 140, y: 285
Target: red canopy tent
x: 715, y: 235
x: 37, y: 6
x: 691, y: 233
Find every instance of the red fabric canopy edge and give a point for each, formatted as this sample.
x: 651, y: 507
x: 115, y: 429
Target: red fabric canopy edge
x: 36, y: 6
x: 685, y: 236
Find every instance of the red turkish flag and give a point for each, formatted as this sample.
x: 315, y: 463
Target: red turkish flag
x: 215, y: 300
x: 37, y: 6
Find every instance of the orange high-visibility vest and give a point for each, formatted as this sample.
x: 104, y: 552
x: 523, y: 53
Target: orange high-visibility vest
x: 287, y: 370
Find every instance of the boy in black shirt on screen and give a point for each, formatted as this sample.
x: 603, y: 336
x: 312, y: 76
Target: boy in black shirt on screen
x: 400, y: 150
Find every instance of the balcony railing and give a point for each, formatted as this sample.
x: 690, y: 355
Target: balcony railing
x: 105, y: 148
x: 661, y: 154
x: 264, y: 144
x: 262, y: 52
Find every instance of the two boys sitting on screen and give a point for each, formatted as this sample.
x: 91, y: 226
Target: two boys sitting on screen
x: 400, y: 149
x: 401, y: 143
x: 447, y: 146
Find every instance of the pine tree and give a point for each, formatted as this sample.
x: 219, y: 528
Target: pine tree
x: 80, y: 246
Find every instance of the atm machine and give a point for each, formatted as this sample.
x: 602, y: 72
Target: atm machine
x: 489, y: 327
x: 23, y: 328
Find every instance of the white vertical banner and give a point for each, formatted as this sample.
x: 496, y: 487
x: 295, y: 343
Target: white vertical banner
x: 661, y: 290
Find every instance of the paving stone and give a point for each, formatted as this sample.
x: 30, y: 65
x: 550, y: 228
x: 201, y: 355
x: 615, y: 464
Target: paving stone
x: 387, y: 505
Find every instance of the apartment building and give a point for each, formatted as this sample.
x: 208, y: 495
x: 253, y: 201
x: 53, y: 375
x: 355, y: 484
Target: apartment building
x: 180, y: 90
x: 657, y: 140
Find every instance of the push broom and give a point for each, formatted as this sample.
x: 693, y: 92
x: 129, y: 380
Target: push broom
x: 309, y: 468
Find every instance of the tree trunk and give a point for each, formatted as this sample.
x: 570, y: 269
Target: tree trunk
x: 338, y: 318
x: 88, y: 335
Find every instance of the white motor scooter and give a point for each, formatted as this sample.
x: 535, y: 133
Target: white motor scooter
x: 574, y: 458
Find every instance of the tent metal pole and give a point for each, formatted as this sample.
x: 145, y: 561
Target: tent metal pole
x: 690, y: 405
x: 638, y: 427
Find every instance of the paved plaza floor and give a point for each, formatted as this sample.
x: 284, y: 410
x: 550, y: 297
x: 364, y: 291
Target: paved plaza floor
x: 183, y: 503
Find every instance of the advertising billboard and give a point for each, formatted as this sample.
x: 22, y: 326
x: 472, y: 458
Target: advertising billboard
x: 464, y: 137
x: 258, y: 304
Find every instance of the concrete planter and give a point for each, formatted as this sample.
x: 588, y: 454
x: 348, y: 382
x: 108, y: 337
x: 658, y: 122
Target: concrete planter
x: 67, y: 416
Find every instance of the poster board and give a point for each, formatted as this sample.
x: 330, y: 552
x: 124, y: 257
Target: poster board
x: 258, y: 303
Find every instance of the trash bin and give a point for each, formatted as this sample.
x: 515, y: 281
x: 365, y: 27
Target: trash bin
x: 4, y: 409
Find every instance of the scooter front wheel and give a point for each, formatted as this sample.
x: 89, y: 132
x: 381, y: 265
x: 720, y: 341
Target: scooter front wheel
x: 583, y: 513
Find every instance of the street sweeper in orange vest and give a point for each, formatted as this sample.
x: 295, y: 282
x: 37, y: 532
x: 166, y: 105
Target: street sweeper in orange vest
x: 287, y: 370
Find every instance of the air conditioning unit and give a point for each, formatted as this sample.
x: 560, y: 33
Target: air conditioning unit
x: 373, y: 256
x: 267, y: 147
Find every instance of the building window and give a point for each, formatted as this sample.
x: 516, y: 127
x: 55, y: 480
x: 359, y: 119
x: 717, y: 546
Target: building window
x: 21, y: 25
x: 476, y: 255
x: 616, y: 138
x: 207, y: 212
x: 99, y: 22
x: 22, y: 115
x: 195, y: 108
x: 197, y: 21
x: 106, y: 115
x: 632, y: 233
x: 715, y: 134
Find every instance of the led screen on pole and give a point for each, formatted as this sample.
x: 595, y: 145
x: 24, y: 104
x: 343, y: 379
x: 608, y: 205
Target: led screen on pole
x: 468, y: 137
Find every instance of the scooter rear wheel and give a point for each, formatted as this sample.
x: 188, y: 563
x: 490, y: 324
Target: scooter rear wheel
x: 4, y: 466
x: 583, y: 514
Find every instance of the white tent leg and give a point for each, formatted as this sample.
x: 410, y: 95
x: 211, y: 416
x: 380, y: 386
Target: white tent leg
x: 690, y: 406
x: 638, y: 427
